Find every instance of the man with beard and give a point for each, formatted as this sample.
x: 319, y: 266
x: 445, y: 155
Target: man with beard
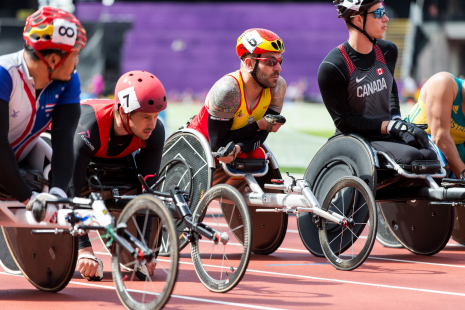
x: 357, y: 84
x: 236, y: 104
x: 110, y: 131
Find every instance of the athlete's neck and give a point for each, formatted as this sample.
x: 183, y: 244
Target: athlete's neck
x: 252, y: 90
x: 37, y: 70
x: 118, y: 126
x: 360, y: 42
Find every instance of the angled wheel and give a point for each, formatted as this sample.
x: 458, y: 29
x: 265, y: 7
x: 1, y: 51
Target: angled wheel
x: 7, y: 261
x: 349, y: 248
x: 384, y: 235
x: 220, y: 266
x: 137, y: 287
x: 48, y: 261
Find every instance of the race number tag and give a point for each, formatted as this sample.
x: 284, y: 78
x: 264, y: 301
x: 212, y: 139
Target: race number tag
x: 128, y: 99
x: 352, y: 4
x: 64, y: 32
x: 251, y: 40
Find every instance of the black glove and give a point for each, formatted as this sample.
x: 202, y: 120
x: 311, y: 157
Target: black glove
x: 409, y: 133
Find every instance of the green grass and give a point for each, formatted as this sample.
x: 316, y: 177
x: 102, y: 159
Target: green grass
x: 292, y: 170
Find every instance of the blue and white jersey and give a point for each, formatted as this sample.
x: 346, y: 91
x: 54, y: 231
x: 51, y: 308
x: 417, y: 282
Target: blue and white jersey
x: 30, y: 116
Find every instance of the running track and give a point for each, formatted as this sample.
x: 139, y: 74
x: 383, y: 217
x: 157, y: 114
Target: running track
x: 291, y: 278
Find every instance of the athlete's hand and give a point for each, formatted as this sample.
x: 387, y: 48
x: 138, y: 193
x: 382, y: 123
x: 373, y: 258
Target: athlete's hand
x: 263, y: 125
x: 231, y: 156
x: 411, y: 134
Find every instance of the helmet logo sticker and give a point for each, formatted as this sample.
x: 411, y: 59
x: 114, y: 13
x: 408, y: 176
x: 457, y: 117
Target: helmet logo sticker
x: 252, y: 40
x: 128, y: 99
x: 64, y: 32
x: 352, y: 4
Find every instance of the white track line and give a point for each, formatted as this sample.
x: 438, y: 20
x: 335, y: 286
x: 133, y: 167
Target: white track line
x: 345, y: 281
x: 173, y: 296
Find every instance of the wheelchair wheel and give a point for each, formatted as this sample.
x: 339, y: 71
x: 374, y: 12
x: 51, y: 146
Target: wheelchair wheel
x: 136, y: 288
x: 7, y: 261
x: 458, y: 232
x: 220, y: 266
x: 341, y: 156
x: 421, y: 228
x: 269, y: 228
x: 357, y: 241
x: 189, y: 147
x: 384, y: 235
x: 48, y: 261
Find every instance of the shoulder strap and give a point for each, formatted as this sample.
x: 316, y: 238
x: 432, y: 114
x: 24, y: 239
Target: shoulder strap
x: 348, y: 61
x: 379, y: 55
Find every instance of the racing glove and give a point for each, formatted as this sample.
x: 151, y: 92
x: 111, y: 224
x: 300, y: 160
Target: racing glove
x: 37, y: 204
x: 408, y: 132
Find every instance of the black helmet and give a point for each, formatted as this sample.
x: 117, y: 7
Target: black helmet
x: 346, y: 8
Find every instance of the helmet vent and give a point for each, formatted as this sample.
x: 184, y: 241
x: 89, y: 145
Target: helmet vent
x: 151, y: 102
x: 46, y: 37
x: 280, y: 44
x: 140, y: 80
x: 34, y: 36
x: 275, y: 45
x: 131, y: 74
x: 42, y: 26
x: 164, y: 98
x: 152, y: 76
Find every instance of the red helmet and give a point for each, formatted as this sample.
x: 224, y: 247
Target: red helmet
x: 258, y: 41
x: 52, y: 28
x: 140, y: 91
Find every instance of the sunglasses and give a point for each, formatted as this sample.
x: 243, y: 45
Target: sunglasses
x: 378, y: 13
x: 271, y: 61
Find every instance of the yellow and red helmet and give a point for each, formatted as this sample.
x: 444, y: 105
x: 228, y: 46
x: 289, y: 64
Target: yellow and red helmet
x: 258, y: 41
x: 52, y: 28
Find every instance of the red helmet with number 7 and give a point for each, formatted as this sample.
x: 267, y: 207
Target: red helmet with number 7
x: 140, y: 91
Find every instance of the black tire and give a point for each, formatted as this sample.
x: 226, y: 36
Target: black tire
x: 365, y: 222
x: 48, y: 261
x: 7, y: 261
x: 384, y: 235
x: 231, y: 218
x: 458, y: 232
x: 153, y: 294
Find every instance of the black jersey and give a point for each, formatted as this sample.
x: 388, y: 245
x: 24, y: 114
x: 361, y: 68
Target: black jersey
x: 359, y: 90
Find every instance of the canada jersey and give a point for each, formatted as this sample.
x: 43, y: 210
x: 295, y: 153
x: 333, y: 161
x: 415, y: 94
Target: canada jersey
x: 103, y: 109
x: 369, y: 90
x: 30, y: 116
x: 243, y: 116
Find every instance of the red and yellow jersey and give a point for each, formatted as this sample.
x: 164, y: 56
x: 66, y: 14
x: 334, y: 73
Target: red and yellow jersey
x: 243, y: 116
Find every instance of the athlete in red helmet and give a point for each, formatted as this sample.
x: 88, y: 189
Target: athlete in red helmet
x: 236, y: 104
x: 110, y: 131
x: 35, y: 84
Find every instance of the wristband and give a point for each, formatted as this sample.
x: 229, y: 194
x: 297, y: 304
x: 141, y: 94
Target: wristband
x: 462, y: 177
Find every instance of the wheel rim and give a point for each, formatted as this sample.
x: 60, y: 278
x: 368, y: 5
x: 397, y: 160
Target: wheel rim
x: 136, y: 287
x: 221, y: 265
x: 351, y: 245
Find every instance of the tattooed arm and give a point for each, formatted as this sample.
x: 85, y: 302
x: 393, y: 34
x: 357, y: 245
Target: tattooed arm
x: 278, y: 95
x: 223, y: 100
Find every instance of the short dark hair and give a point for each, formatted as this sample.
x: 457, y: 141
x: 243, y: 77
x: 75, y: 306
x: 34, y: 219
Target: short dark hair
x: 32, y: 52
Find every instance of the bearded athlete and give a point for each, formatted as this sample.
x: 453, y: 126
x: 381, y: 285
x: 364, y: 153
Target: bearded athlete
x: 108, y: 132
x: 236, y: 104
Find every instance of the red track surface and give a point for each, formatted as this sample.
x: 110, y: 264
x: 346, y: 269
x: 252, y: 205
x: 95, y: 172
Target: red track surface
x: 291, y: 278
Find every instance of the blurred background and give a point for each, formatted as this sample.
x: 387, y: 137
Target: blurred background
x: 189, y: 45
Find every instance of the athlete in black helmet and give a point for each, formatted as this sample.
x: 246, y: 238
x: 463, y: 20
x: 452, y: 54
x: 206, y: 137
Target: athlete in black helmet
x: 357, y: 84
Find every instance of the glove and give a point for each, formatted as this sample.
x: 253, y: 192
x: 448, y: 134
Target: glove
x: 409, y: 133
x: 38, y: 207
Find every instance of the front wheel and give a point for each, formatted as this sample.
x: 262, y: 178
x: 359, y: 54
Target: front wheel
x: 353, y: 199
x: 221, y: 265
x: 137, y: 284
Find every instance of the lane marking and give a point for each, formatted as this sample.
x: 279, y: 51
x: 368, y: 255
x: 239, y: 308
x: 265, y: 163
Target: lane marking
x: 173, y: 296
x: 309, y: 264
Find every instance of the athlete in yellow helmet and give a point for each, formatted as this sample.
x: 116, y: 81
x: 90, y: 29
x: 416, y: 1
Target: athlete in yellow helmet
x: 441, y: 106
x: 236, y: 105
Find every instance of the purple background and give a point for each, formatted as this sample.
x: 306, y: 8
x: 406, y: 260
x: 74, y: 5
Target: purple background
x: 210, y: 31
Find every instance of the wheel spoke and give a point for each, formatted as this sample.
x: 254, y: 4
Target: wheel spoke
x: 138, y: 230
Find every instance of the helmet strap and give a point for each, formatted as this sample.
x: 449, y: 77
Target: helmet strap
x: 127, y: 129
x: 254, y: 73
x: 50, y: 70
x: 363, y: 30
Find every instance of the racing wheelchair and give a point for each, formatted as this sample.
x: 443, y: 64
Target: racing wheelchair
x: 416, y: 201
x: 347, y: 210
x: 42, y: 243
